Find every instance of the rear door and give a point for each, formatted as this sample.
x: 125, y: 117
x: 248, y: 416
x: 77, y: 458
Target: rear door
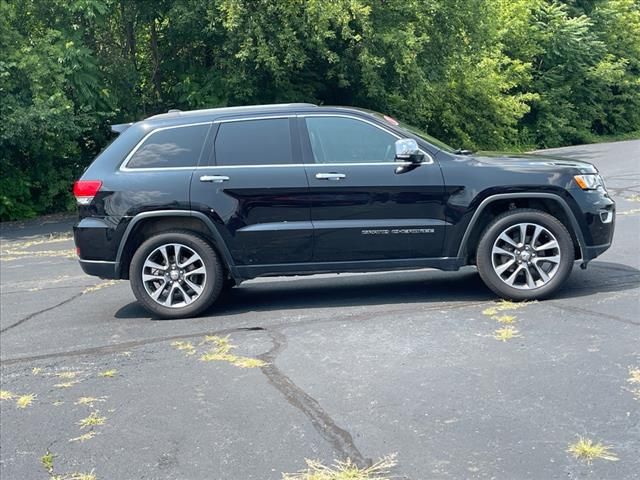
x: 256, y: 191
x: 361, y: 208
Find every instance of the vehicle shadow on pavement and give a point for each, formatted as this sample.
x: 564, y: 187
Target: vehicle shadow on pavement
x: 343, y: 291
x: 393, y: 288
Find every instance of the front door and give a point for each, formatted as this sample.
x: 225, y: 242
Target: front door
x: 256, y: 191
x: 361, y: 209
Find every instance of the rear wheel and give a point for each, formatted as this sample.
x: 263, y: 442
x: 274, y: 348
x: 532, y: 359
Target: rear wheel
x: 525, y: 254
x: 176, y: 274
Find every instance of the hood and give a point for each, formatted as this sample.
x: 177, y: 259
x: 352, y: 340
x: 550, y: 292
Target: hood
x: 534, y: 161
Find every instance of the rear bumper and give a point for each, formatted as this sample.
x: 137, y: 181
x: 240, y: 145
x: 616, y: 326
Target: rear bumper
x: 99, y: 268
x: 594, y: 251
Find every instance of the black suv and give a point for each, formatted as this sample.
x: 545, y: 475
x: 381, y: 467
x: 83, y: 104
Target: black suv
x: 186, y: 204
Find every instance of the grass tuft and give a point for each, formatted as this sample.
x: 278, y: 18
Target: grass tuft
x: 344, y: 470
x: 247, y: 362
x: 504, y: 306
x: 67, y: 375
x: 186, y: 347
x: 507, y: 319
x: 586, y: 449
x: 634, y: 380
x: 222, y: 344
x: 219, y: 351
x: 94, y: 419
x: 108, y: 373
x: 506, y: 333
x: 6, y: 395
x: 84, y: 437
x: 67, y: 384
x: 75, y: 476
x: 88, y: 401
x: 36, y: 370
x: 23, y: 401
x: 78, y: 476
x: 99, y: 286
x: 47, y: 461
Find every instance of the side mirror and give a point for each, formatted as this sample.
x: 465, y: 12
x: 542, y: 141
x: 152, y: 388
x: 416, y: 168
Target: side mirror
x: 407, y: 151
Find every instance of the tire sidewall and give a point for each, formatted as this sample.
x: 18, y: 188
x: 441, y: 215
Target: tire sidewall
x: 213, y: 283
x: 484, y: 257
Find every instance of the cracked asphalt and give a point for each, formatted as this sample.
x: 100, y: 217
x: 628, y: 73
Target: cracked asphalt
x: 424, y: 364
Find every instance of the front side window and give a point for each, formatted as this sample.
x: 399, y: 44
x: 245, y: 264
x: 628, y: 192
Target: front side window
x: 347, y: 140
x: 254, y: 142
x: 172, y: 147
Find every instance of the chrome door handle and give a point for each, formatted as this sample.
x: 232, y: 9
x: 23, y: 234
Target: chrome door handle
x: 330, y: 176
x: 214, y: 178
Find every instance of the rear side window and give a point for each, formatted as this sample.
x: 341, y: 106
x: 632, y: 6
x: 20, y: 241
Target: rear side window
x: 254, y: 142
x: 172, y: 147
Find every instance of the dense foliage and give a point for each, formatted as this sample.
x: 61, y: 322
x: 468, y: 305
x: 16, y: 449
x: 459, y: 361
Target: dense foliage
x: 490, y: 74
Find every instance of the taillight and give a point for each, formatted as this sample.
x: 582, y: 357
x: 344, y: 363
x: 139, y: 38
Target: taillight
x: 85, y: 190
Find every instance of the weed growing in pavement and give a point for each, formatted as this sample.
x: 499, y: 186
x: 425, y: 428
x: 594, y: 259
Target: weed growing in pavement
x: 344, y: 470
x: 84, y: 437
x: 89, y: 400
x: 47, y: 461
x: 6, y: 395
x: 220, y: 352
x: 99, y: 286
x: 67, y: 384
x: 186, y: 347
x: 218, y: 349
x: 94, y: 419
x: 507, y: 319
x: 506, y: 333
x: 23, y: 401
x: 634, y: 380
x: 504, y: 306
x: 586, y: 449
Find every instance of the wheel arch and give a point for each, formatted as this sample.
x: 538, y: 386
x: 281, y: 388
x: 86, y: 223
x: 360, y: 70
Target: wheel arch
x: 498, y: 203
x: 146, y: 224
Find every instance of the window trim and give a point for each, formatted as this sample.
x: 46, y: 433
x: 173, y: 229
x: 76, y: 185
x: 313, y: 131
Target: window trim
x: 428, y: 157
x: 214, y: 160
x: 124, y: 166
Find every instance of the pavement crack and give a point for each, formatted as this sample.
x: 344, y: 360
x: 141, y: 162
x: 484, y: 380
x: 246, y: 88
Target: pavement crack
x: 595, y: 314
x: 124, y: 346
x: 338, y: 437
x: 39, y: 312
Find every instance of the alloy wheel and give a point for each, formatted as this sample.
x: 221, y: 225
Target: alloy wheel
x: 174, y: 275
x: 526, y: 256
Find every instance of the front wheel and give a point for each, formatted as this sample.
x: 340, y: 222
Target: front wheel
x: 176, y: 274
x: 525, y: 254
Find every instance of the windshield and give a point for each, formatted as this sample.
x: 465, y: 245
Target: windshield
x: 412, y: 130
x: 426, y: 137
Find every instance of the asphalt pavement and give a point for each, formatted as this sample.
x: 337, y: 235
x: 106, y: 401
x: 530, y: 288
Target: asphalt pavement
x: 425, y: 365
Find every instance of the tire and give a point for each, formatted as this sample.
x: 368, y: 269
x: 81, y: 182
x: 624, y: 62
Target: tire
x: 543, y: 260
x: 186, y: 291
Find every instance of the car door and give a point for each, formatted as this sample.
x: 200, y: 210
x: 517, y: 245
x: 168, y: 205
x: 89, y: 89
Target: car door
x: 256, y: 191
x: 361, y: 208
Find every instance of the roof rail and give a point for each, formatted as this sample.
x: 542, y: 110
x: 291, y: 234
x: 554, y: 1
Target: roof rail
x: 120, y: 127
x: 273, y: 106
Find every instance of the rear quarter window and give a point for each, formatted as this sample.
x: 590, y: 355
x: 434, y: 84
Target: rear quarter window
x: 171, y: 147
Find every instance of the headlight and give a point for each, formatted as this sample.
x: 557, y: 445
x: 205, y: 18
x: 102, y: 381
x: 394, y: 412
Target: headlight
x: 590, y: 181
